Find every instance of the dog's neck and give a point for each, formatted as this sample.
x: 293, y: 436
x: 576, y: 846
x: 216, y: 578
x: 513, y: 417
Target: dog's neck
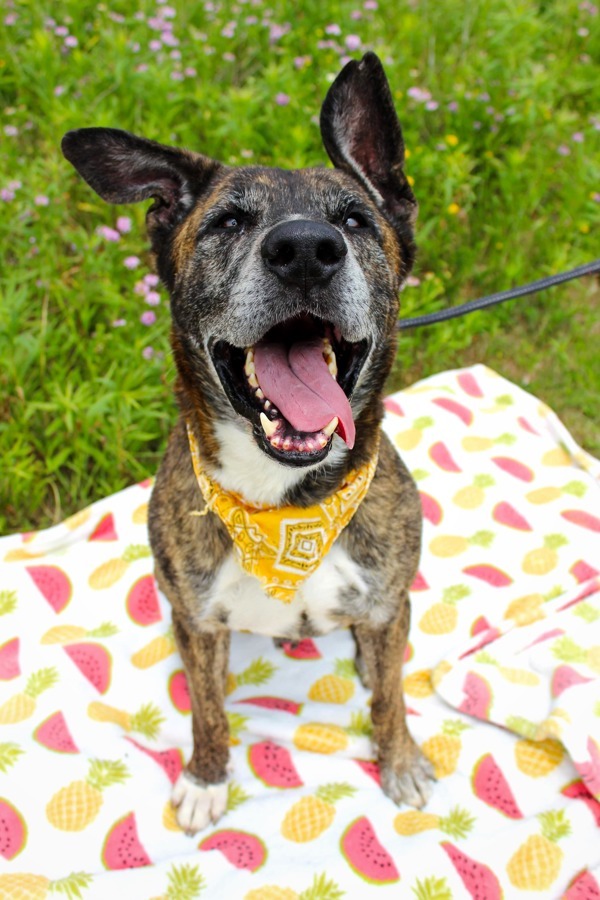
x: 246, y: 471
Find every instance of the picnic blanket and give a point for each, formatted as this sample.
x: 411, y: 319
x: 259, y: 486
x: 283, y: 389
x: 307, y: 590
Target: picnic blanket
x: 501, y: 682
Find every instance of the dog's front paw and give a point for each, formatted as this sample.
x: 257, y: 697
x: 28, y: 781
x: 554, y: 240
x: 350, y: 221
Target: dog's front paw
x: 198, y: 805
x: 408, y: 781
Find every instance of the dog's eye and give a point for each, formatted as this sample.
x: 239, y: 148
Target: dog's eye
x: 228, y: 223
x: 355, y: 221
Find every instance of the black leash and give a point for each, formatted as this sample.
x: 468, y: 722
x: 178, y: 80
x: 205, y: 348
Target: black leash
x: 443, y: 315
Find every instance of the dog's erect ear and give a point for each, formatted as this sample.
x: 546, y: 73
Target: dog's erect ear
x: 124, y: 168
x: 362, y: 135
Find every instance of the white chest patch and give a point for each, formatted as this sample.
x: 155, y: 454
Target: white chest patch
x: 317, y: 607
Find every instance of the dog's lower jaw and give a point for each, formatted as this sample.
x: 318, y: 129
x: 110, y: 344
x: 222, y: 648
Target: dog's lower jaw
x: 247, y: 471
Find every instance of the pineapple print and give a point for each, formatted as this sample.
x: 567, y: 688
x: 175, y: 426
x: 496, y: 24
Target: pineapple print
x: 536, y: 864
x: 310, y: 816
x: 474, y: 444
x: 147, y: 720
x: 77, y: 519
x: 457, y: 824
x: 22, y: 706
x: 548, y: 494
x: 515, y: 676
x: 322, y: 888
x: 557, y: 457
x: 18, y: 554
x: 501, y: 402
x: 69, y: 634
x: 473, y: 495
x: 237, y: 723
x: 23, y: 886
x: 140, y: 514
x: 337, y: 688
x: 360, y: 725
x: 442, y: 618
x: 568, y: 651
x: 9, y: 755
x: 184, y: 882
x: 169, y: 818
x: 318, y: 737
x: 447, y: 545
x: 544, y: 559
x: 110, y: 571
x: 525, y: 610
x: 440, y: 671
x: 8, y: 602
x: 443, y: 749
x: 432, y: 889
x: 76, y: 806
x: 587, y: 612
x: 159, y: 648
x: 258, y: 672
x: 409, y: 439
x: 538, y: 758
x: 418, y: 684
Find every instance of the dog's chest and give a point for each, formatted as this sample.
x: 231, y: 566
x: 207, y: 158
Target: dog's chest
x: 335, y: 594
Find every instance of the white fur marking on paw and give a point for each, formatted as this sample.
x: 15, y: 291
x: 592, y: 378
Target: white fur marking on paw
x: 197, y: 806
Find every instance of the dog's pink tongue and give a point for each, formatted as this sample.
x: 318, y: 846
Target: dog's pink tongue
x: 299, y: 383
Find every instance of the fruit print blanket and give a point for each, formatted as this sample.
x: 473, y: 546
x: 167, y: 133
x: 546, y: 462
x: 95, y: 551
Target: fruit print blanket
x: 501, y: 680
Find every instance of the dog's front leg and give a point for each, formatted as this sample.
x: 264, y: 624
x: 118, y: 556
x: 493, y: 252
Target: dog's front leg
x: 405, y: 772
x: 200, y: 793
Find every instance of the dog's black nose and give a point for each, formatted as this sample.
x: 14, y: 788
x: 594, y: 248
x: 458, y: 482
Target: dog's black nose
x: 303, y: 252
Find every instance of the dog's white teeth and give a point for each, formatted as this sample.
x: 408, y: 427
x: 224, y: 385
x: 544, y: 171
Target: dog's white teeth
x: 249, y: 369
x: 268, y: 404
x: 329, y: 357
x: 276, y: 441
x: 329, y: 429
x: 269, y: 427
x: 260, y: 394
x: 321, y: 442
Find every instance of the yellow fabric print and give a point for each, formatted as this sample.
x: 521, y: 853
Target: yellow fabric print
x: 282, y: 546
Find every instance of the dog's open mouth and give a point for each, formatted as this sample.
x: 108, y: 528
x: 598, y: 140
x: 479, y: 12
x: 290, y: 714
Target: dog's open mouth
x: 295, y: 386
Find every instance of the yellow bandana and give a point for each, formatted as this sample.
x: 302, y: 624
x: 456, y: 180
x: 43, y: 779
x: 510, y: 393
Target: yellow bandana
x: 283, y: 545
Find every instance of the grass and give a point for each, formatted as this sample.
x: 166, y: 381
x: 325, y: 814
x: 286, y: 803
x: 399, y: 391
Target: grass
x: 499, y: 101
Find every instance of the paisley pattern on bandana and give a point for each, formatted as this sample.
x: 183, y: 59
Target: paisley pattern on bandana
x: 283, y: 545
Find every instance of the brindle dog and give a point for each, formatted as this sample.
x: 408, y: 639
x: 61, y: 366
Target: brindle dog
x: 252, y: 255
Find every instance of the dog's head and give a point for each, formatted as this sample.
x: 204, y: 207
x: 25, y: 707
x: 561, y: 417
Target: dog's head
x: 284, y: 284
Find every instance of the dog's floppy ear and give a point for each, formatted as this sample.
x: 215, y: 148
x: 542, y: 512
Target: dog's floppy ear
x: 124, y: 168
x: 361, y: 133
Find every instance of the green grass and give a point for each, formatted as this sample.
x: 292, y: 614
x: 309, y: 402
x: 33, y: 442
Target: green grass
x: 505, y: 168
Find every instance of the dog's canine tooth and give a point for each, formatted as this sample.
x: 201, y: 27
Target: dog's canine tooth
x: 329, y: 429
x: 329, y: 357
x: 321, y: 442
x: 269, y: 427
